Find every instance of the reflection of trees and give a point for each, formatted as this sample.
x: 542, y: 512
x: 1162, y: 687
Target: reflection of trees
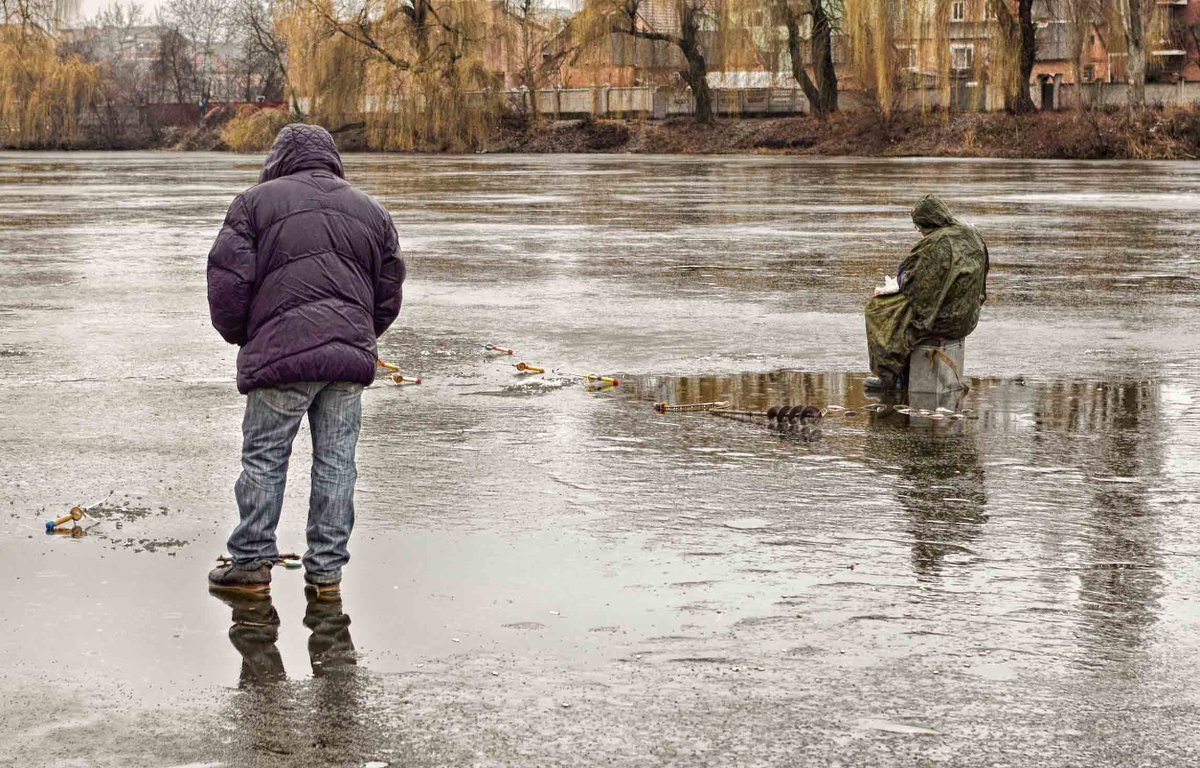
x: 1120, y: 580
x: 752, y: 391
x: 320, y: 721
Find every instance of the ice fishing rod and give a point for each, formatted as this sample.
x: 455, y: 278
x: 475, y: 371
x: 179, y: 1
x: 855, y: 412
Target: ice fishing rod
x: 396, y: 377
x: 77, y: 513
x: 501, y: 350
x: 689, y: 407
x: 533, y: 369
x: 290, y: 560
x: 592, y: 377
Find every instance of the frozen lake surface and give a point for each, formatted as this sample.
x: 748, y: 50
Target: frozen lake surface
x: 546, y: 575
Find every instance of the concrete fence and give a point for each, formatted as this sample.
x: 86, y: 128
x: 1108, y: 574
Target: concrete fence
x: 657, y: 103
x: 1069, y: 96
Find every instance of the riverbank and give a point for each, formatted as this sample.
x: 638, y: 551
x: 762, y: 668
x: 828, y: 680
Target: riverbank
x: 1165, y: 134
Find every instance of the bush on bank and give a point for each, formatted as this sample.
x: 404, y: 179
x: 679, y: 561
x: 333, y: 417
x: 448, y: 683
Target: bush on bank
x: 253, y: 129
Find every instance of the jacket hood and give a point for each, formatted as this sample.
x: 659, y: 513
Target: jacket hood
x: 932, y: 213
x: 301, y: 147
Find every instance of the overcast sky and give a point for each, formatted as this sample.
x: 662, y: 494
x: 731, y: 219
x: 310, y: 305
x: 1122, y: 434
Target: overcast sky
x: 89, y: 8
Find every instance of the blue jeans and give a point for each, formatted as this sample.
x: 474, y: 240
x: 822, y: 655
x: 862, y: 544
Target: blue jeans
x: 273, y: 416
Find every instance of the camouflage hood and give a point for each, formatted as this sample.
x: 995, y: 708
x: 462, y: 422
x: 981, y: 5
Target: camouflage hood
x: 932, y: 213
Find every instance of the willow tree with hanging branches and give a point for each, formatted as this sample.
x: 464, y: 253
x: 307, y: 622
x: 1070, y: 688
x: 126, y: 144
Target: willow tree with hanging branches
x: 1014, y: 51
x: 880, y: 36
x: 692, y: 30
x: 42, y: 94
x: 413, y: 71
x: 889, y: 38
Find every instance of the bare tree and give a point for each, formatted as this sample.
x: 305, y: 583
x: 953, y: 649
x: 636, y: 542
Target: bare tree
x: 173, y: 67
x: 1080, y: 16
x: 126, y: 81
x: 254, y: 21
x: 199, y: 25
x: 45, y: 16
x: 821, y: 90
x: 1135, y: 17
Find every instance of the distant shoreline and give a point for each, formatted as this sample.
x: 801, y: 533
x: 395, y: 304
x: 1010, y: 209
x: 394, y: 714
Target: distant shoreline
x: 1169, y: 133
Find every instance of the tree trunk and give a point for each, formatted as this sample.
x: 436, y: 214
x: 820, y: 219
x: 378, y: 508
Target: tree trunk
x: 822, y: 53
x: 816, y: 104
x: 696, y: 74
x: 1135, y: 47
x: 1020, y: 31
x: 1023, y: 101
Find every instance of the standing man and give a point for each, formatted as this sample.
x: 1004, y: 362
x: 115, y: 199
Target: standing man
x: 304, y: 276
x: 942, y: 287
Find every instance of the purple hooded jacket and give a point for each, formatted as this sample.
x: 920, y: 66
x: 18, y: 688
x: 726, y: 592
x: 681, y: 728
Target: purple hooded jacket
x: 305, y: 273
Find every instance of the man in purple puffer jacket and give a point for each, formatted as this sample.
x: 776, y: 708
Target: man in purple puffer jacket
x: 304, y: 276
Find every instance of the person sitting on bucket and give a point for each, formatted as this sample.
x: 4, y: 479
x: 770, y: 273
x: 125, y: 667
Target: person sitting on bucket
x: 304, y: 276
x: 942, y: 286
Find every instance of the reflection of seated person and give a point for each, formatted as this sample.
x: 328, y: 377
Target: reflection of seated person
x: 941, y: 288
x: 939, y: 484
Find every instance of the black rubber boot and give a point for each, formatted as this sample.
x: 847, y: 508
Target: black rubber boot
x: 878, y: 384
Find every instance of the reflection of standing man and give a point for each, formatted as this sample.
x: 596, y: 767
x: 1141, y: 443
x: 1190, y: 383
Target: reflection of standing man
x: 304, y: 276
x: 319, y: 722
x: 941, y: 287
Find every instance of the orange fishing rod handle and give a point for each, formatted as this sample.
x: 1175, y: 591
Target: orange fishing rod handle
x: 388, y: 366
x: 75, y: 514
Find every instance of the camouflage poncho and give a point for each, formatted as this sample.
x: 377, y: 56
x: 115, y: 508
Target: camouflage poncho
x: 942, y: 288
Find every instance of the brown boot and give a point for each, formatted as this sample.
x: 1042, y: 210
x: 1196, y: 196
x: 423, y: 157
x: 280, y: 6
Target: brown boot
x: 231, y: 577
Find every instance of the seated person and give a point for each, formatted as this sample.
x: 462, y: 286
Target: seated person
x: 942, y: 286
